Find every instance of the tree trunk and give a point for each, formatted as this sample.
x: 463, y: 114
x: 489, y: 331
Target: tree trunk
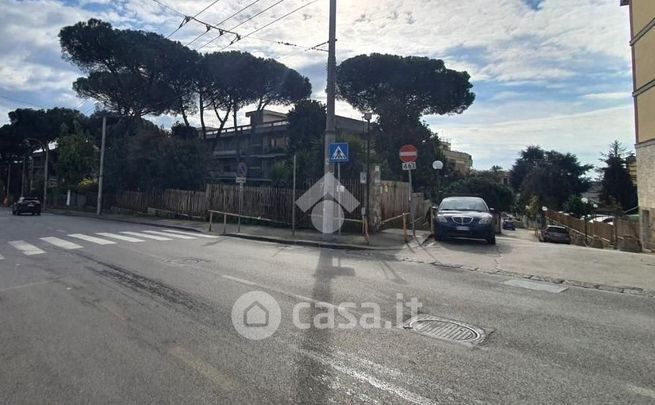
x: 184, y: 117
x: 236, y: 136
x: 202, y: 117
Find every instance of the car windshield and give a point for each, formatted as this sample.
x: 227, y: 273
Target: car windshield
x: 555, y: 229
x: 463, y: 204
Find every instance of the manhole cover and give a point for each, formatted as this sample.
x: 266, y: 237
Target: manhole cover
x: 446, y: 329
x: 186, y: 260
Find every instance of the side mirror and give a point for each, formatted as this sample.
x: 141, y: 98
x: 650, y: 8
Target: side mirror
x: 492, y: 210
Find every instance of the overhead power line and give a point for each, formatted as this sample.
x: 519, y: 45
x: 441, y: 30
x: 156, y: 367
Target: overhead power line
x: 186, y: 19
x: 241, y: 23
x: 223, y: 21
x: 15, y: 100
x: 170, y: 8
x: 269, y: 24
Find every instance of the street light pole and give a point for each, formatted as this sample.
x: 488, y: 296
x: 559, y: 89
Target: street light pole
x: 330, y: 120
x: 367, y: 117
x: 44, y: 147
x: 45, y: 177
x: 102, y: 165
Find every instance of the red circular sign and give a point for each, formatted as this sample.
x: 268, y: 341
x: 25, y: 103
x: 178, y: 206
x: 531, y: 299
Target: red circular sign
x: 408, y: 153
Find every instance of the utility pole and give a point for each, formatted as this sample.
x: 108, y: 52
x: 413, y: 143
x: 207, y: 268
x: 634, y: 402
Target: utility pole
x: 330, y: 121
x: 367, y: 117
x: 9, y: 179
x: 45, y: 177
x: 102, y: 165
x: 22, y: 178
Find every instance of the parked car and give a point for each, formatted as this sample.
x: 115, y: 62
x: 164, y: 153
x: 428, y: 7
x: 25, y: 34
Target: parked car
x: 555, y: 234
x: 509, y: 224
x: 603, y: 218
x: 31, y: 205
x: 464, y: 217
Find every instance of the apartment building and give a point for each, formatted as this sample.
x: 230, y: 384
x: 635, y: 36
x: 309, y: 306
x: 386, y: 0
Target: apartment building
x: 262, y: 143
x: 642, y: 21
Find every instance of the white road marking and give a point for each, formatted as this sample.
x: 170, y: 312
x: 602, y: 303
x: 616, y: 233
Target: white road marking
x: 27, y: 285
x: 27, y: 248
x: 2, y: 257
x: 532, y: 285
x: 119, y: 237
x: 645, y: 392
x: 145, y: 235
x: 172, y: 235
x: 239, y: 280
x: 61, y: 243
x: 406, y: 395
x: 200, y: 235
x: 92, y: 239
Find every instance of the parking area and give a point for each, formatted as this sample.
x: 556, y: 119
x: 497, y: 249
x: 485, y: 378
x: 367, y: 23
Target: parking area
x: 520, y: 252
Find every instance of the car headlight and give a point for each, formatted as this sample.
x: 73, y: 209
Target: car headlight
x: 485, y: 220
x: 442, y: 219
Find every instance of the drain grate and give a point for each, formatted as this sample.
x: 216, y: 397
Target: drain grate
x: 446, y: 329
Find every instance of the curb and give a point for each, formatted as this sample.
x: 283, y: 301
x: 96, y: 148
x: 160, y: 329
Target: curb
x: 129, y: 221
x: 573, y: 283
x: 310, y: 243
x: 299, y: 242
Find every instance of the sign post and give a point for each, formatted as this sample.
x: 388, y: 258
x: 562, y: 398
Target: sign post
x: 408, y: 155
x: 242, y: 171
x: 339, y: 153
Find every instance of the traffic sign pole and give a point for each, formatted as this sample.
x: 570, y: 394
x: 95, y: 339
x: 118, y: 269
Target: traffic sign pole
x: 408, y: 155
x: 339, y: 194
x: 411, y: 207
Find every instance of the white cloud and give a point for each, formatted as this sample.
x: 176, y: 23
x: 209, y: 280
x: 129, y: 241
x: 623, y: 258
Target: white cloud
x: 544, y: 64
x: 617, y: 95
x: 585, y: 134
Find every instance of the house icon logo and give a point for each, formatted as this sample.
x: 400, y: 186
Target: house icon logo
x: 256, y: 315
x: 327, y: 198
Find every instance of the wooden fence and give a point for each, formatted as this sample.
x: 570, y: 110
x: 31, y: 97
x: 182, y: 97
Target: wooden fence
x: 271, y: 202
x: 609, y: 233
x: 180, y: 202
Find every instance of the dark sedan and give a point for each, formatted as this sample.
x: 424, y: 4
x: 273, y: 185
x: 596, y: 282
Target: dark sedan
x: 464, y: 217
x: 30, y: 205
x: 555, y: 234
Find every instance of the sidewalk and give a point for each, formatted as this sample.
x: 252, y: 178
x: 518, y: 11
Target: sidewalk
x: 519, y: 254
x: 388, y: 240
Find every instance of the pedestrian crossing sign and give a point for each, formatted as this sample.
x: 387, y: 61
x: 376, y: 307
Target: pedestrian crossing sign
x: 338, y: 152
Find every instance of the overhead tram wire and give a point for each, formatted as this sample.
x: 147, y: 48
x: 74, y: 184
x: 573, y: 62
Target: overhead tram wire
x: 170, y: 8
x: 241, y: 23
x: 291, y: 44
x: 269, y: 24
x: 186, y: 19
x: 224, y: 20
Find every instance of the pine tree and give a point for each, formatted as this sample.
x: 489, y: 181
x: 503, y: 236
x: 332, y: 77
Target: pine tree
x: 616, y: 183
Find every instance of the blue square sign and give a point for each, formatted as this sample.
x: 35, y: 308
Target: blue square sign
x: 338, y: 152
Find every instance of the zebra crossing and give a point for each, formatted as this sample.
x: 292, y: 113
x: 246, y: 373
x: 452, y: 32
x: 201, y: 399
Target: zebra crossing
x: 74, y: 241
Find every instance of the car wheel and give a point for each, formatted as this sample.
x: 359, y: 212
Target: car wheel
x: 438, y: 237
x: 38, y: 213
x: 491, y: 240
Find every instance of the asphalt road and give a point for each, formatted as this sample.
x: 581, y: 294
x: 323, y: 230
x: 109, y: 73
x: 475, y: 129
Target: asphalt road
x: 143, y: 321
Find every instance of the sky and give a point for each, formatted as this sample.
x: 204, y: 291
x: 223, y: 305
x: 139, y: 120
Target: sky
x: 554, y: 73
